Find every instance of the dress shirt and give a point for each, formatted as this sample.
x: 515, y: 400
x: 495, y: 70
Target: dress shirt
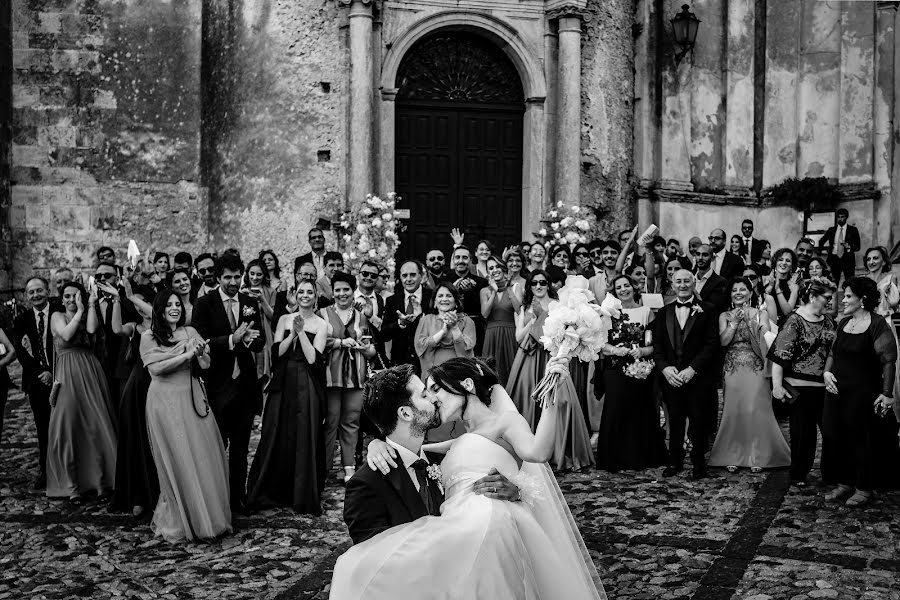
x: 204, y: 290
x: 408, y: 458
x: 748, y: 244
x: 720, y: 258
x: 840, y: 237
x: 319, y: 261
x: 682, y: 313
x: 236, y: 312
x: 375, y: 319
x: 701, y: 281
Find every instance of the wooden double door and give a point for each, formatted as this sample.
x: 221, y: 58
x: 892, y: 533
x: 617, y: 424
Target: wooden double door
x: 459, y: 165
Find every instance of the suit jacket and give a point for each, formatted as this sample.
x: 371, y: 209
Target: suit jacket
x: 756, y: 248
x: 715, y: 291
x: 826, y: 244
x: 374, y: 502
x: 732, y: 266
x: 402, y: 350
x: 700, y: 342
x: 211, y: 321
x: 25, y: 327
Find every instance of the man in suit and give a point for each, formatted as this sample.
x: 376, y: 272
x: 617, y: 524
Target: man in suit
x: 370, y: 303
x: 805, y: 250
x: 33, y: 343
x: 434, y: 268
x: 232, y: 323
x: 206, y: 271
x: 725, y: 263
x: 685, y: 342
x: 712, y: 288
x: 469, y: 287
x: 112, y: 353
x: 402, y: 312
x: 841, y: 242
x: 316, y: 254
x: 398, y: 403
x: 754, y: 246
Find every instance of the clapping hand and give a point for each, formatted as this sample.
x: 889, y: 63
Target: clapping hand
x: 79, y: 303
x: 457, y: 236
x: 464, y: 283
x: 297, y: 325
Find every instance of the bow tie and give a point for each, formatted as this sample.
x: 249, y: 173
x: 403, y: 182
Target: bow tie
x: 680, y: 304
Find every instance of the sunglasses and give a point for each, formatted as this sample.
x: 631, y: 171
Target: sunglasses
x: 316, y: 237
x: 307, y: 276
x: 539, y: 283
x: 751, y: 277
x: 434, y: 258
x: 596, y: 253
x: 103, y: 275
x: 205, y: 271
x: 368, y: 274
x: 581, y: 253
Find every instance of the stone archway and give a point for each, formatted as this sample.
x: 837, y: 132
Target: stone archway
x: 525, y: 60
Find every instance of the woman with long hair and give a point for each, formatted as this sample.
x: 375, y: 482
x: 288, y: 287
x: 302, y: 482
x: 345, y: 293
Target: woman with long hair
x: 499, y: 304
x: 515, y: 263
x: 783, y: 289
x: 179, y: 281
x: 256, y: 283
x: 289, y: 466
x: 737, y: 247
x: 483, y: 251
x: 273, y: 268
x: 187, y: 447
x: 561, y: 257
x: 81, y: 455
x: 878, y: 269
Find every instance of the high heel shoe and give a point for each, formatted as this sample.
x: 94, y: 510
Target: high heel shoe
x: 838, y: 493
x: 731, y: 469
x: 859, y: 499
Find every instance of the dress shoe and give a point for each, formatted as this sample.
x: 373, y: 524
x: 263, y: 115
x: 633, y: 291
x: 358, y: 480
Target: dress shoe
x: 671, y: 471
x: 699, y: 472
x: 40, y: 482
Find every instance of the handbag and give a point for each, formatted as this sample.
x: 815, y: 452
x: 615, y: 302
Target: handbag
x: 792, y: 393
x: 54, y: 393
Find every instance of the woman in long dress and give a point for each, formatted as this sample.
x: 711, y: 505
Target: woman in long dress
x: 630, y: 437
x: 289, y: 466
x: 749, y: 435
x: 185, y: 440
x: 859, y: 430
x: 878, y: 269
x: 499, y: 304
x: 572, y: 447
x: 480, y: 547
x: 81, y: 454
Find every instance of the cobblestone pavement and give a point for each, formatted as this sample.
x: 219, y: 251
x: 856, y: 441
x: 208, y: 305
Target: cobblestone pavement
x: 731, y: 536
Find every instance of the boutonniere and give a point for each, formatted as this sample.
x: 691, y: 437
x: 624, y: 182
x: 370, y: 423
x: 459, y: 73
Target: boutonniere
x: 434, y: 472
x: 696, y: 309
x: 249, y: 311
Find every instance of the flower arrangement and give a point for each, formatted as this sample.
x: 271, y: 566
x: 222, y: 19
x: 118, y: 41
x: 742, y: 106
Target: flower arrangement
x: 639, y: 369
x: 370, y: 231
x: 567, y: 223
x: 575, y: 327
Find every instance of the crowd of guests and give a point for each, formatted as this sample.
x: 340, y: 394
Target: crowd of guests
x: 145, y: 383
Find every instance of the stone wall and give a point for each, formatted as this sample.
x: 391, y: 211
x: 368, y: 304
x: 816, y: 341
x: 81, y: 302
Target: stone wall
x: 106, y: 130
x: 275, y: 86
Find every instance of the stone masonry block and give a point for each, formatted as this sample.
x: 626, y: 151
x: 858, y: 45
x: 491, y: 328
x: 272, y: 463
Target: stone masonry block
x: 62, y: 134
x: 26, y: 195
x: 105, y: 99
x: 66, y: 217
x: 17, y: 217
x: 29, y: 156
x: 25, y: 96
x: 37, y: 217
x: 49, y: 22
x: 63, y: 195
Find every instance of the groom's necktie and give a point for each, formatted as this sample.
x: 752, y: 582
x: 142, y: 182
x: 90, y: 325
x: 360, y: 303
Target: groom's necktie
x: 426, y: 488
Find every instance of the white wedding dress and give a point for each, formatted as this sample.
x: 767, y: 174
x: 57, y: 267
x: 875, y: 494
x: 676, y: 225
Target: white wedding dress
x: 478, y: 547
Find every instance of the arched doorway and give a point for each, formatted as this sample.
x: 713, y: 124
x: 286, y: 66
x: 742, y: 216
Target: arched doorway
x: 458, y: 142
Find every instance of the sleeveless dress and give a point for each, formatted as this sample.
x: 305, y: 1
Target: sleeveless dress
x: 289, y: 466
x: 81, y: 453
x: 572, y: 449
x: 889, y: 296
x: 478, y: 547
x: 500, y: 336
x: 187, y: 449
x: 137, y: 483
x: 630, y: 436
x: 749, y: 435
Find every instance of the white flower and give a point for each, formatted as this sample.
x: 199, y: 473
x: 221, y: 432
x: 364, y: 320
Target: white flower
x: 560, y: 204
x: 576, y: 209
x: 372, y: 253
x: 553, y: 214
x: 434, y: 472
x: 542, y: 232
x: 382, y: 248
x: 582, y: 239
x: 366, y: 211
x: 582, y: 224
x: 554, y: 225
x: 386, y: 217
x: 696, y: 310
x: 345, y: 224
x: 348, y: 238
x: 571, y: 237
x: 391, y: 196
x: 248, y: 311
x: 364, y: 245
x: 361, y: 228
x: 557, y: 235
x: 389, y: 234
x: 347, y: 257
x: 567, y: 221
x: 376, y: 222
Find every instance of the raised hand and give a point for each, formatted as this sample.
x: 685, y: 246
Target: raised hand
x: 250, y: 334
x: 79, y: 303
x: 457, y: 235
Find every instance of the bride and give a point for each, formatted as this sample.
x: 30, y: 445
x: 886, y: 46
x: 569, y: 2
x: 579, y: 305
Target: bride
x: 479, y: 547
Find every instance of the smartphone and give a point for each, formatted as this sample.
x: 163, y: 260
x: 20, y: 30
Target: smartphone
x: 365, y: 340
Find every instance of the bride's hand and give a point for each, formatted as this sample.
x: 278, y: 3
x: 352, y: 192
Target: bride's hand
x: 380, y: 457
x: 496, y: 486
x: 559, y: 365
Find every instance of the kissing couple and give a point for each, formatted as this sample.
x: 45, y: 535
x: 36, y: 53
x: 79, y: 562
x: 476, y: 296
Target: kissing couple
x: 489, y: 522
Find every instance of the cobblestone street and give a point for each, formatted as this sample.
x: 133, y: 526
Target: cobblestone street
x: 731, y: 536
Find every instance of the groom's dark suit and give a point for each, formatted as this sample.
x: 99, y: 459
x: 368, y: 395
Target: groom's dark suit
x: 696, y: 345
x: 374, y: 502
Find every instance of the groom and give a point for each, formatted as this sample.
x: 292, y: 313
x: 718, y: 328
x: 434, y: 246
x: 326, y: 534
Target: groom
x: 397, y: 402
x: 685, y: 346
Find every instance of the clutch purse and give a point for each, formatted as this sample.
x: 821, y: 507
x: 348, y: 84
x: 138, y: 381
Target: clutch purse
x: 54, y: 393
x: 792, y: 393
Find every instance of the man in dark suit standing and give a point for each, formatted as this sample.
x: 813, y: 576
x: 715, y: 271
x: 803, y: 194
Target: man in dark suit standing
x: 685, y: 343
x: 434, y: 268
x: 33, y: 343
x: 841, y: 242
x: 370, y: 303
x: 753, y: 245
x: 402, y: 312
x: 112, y: 353
x: 395, y: 400
x: 724, y: 263
x: 469, y: 287
x: 712, y: 288
x: 232, y: 323
x: 316, y: 254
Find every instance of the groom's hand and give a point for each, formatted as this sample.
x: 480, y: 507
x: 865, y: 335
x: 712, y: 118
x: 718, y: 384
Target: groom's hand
x: 496, y: 487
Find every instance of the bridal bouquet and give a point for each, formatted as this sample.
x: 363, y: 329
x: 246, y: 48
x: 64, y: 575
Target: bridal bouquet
x: 639, y: 369
x: 575, y: 327
x: 568, y: 223
x: 370, y: 232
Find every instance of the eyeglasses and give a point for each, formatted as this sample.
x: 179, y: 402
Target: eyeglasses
x: 539, y: 283
x: 368, y: 274
x: 581, y: 253
x: 316, y: 237
x: 307, y: 276
x: 716, y: 237
x: 206, y: 270
x: 751, y: 277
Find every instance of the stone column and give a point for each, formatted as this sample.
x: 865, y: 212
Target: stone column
x: 884, y: 105
x: 388, y: 135
x: 782, y: 65
x: 361, y: 173
x: 551, y: 63
x: 568, y: 128
x: 857, y: 92
x: 739, y: 115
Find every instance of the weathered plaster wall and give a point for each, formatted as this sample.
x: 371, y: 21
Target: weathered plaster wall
x: 607, y: 111
x: 275, y: 81
x: 5, y: 136
x: 106, y: 130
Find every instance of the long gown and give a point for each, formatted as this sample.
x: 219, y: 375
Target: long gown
x: 289, y: 466
x: 187, y: 449
x: 500, y: 335
x: 137, y: 483
x: 81, y: 454
x: 749, y: 435
x: 630, y: 437
x: 478, y: 547
x: 572, y: 449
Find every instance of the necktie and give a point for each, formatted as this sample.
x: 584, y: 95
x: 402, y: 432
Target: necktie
x: 42, y: 353
x: 681, y: 304
x: 748, y: 259
x: 839, y: 244
x: 425, y: 485
x: 230, y: 310
x: 411, y: 305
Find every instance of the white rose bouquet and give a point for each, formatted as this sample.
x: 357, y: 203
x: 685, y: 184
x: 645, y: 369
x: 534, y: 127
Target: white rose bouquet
x: 575, y: 327
x: 569, y: 223
x: 370, y: 231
